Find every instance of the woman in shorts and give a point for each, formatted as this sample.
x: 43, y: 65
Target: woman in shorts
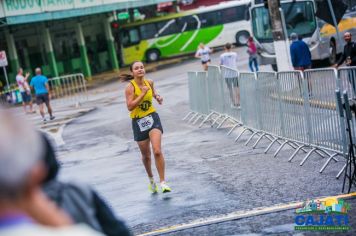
x: 203, y: 53
x: 146, y: 125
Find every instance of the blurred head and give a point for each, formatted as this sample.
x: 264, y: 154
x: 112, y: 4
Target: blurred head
x: 294, y: 36
x: 20, y: 71
x: 250, y: 39
x: 49, y: 159
x: 21, y: 170
x: 228, y: 46
x: 38, y: 71
x: 137, y: 69
x: 201, y: 45
x: 347, y: 37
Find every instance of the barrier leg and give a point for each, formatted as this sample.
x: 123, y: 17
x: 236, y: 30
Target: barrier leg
x: 198, y: 118
x: 186, y: 117
x: 232, y: 129
x: 222, y: 122
x: 280, y: 148
x: 295, y: 153
x: 307, y: 156
x: 237, y: 138
x: 217, y: 118
x: 270, y: 145
x: 332, y: 157
x: 248, y: 140
x: 193, y: 117
x: 258, y: 140
x: 342, y: 170
x: 205, y: 120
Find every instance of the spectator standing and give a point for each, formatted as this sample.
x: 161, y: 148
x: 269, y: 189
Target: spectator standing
x: 349, y: 57
x: 203, y: 53
x: 300, y: 53
x: 24, y: 208
x: 25, y: 90
x: 229, y: 59
x: 252, y: 52
x: 40, y: 84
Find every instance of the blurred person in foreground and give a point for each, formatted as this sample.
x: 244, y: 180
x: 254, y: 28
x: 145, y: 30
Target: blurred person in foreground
x: 82, y: 203
x: 24, y: 208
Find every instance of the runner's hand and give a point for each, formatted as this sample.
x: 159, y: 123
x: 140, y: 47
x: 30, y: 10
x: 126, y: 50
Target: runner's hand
x: 159, y: 99
x: 144, y: 89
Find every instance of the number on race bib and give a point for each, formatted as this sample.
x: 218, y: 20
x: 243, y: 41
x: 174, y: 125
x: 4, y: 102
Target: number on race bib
x: 145, y: 123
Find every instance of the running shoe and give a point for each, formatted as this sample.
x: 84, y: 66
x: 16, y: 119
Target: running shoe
x: 153, y: 187
x: 165, y: 188
x: 44, y: 120
x: 52, y: 117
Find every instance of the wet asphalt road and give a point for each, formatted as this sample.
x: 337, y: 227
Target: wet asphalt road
x: 210, y: 175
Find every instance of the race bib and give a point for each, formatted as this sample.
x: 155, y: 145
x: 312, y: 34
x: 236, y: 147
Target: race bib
x: 145, y: 123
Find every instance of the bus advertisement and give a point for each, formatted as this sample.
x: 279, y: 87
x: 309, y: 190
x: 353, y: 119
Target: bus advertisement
x: 300, y: 17
x: 180, y: 33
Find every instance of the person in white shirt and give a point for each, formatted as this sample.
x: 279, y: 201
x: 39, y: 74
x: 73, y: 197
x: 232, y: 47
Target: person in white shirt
x: 24, y: 90
x: 203, y: 53
x: 24, y: 208
x: 229, y: 59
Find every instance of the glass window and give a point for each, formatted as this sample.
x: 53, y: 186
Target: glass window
x: 299, y: 18
x: 130, y: 37
x: 209, y: 19
x: 167, y: 27
x: 188, y: 22
x: 148, y: 31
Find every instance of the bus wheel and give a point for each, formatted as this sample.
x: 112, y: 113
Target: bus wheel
x: 241, y: 38
x: 152, y: 55
x: 332, y: 53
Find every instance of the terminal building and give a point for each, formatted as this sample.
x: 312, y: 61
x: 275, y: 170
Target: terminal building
x: 62, y: 36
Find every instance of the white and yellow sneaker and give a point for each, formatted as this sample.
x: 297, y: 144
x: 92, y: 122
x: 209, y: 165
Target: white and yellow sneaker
x: 165, y: 188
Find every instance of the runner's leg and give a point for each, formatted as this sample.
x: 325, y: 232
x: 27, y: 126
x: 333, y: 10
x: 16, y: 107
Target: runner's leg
x: 146, y: 156
x: 155, y: 137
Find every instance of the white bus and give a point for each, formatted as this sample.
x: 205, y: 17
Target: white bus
x: 300, y: 18
x: 180, y: 33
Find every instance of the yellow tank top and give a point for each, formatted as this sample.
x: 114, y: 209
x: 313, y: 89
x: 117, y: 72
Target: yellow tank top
x: 145, y: 107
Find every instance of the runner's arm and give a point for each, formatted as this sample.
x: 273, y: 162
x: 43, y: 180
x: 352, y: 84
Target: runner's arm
x: 131, y: 101
x: 158, y: 97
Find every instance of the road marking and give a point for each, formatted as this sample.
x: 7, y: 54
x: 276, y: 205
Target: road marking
x: 238, y: 215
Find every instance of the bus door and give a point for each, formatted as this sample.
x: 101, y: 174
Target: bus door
x: 131, y: 50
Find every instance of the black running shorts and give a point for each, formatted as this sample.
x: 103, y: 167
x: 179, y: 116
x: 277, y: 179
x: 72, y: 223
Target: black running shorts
x: 141, y: 127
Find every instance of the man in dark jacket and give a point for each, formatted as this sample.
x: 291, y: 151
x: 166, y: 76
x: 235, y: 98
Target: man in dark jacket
x: 300, y: 53
x: 349, y: 57
x: 349, y: 54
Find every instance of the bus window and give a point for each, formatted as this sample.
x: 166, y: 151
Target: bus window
x: 130, y: 37
x: 188, y: 22
x: 167, y: 27
x: 229, y: 15
x: 241, y: 12
x: 209, y: 19
x: 148, y: 31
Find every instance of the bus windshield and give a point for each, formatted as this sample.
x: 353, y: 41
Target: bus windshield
x: 299, y: 17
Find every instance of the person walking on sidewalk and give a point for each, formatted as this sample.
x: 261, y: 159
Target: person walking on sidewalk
x: 229, y: 59
x: 40, y: 84
x: 146, y: 124
x: 252, y: 52
x: 25, y: 90
x: 203, y: 53
x: 300, y: 53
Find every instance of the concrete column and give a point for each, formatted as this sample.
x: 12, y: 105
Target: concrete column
x: 83, y: 52
x: 12, y: 55
x: 50, y: 53
x: 111, y: 45
x: 27, y: 58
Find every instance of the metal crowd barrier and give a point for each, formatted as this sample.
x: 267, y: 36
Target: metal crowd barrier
x: 68, y: 89
x: 288, y: 108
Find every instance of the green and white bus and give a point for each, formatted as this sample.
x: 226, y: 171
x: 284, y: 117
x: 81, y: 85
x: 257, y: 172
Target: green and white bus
x: 180, y: 33
x: 299, y: 15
